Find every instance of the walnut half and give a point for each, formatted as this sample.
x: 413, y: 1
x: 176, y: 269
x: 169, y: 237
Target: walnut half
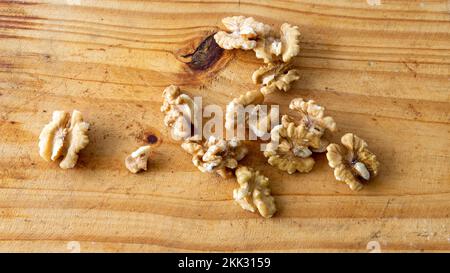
x: 138, y: 159
x: 243, y: 32
x: 179, y: 110
x: 215, y: 154
x: 294, y: 140
x: 352, y: 160
x: 312, y: 125
x: 63, y: 137
x: 282, y: 152
x: 275, y: 77
x: 254, y: 192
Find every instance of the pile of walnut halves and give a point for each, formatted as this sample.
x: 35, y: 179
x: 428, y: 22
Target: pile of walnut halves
x: 292, y: 142
x: 216, y: 155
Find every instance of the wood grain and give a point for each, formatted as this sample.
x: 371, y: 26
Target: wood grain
x: 382, y: 71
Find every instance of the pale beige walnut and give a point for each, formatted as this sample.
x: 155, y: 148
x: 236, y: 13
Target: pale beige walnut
x: 238, y: 104
x: 309, y: 130
x: 215, y: 154
x: 242, y: 33
x: 275, y: 77
x: 352, y: 161
x: 51, y: 139
x: 254, y: 192
x: 283, y: 153
x: 64, y: 137
x: 294, y: 140
x: 137, y: 160
x: 290, y: 42
x: 279, y: 47
x: 178, y: 109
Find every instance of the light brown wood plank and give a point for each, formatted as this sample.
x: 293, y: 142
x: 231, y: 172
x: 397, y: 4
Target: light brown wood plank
x: 382, y: 71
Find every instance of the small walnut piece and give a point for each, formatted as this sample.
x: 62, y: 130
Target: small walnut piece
x: 179, y: 112
x: 138, y: 159
x: 290, y: 40
x: 254, y: 192
x: 63, y: 137
x: 352, y: 160
x: 275, y: 77
x: 215, y: 154
x: 243, y: 32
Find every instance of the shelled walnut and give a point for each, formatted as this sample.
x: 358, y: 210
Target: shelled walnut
x: 283, y: 152
x: 179, y: 111
x: 293, y: 141
x: 254, y: 192
x: 62, y: 137
x: 243, y: 33
x: 352, y: 160
x: 290, y: 41
x: 232, y: 109
x: 279, y: 47
x: 137, y: 160
x: 215, y: 155
x: 312, y: 125
x: 275, y: 77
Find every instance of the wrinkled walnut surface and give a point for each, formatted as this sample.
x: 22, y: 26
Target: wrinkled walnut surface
x: 62, y: 137
x: 352, y: 161
x: 308, y: 131
x: 137, y: 161
x: 242, y: 33
x: 178, y: 109
x: 279, y: 47
x: 294, y: 140
x: 275, y: 77
x: 290, y: 41
x: 282, y: 153
x: 215, y: 155
x: 269, y: 45
x: 254, y: 192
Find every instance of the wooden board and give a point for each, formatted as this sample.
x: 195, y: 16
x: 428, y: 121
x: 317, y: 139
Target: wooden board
x: 383, y: 72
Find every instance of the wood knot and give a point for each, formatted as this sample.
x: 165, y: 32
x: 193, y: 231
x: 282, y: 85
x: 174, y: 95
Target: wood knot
x: 204, y: 56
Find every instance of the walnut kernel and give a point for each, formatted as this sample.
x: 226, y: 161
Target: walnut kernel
x: 254, y: 192
x: 179, y: 112
x: 62, y: 137
x: 137, y: 160
x: 352, y: 160
x: 285, y: 154
x: 275, y: 77
x: 290, y: 40
x: 243, y: 32
x: 279, y: 47
x: 215, y: 154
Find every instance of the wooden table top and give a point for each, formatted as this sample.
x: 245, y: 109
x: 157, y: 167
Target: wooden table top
x: 381, y: 69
